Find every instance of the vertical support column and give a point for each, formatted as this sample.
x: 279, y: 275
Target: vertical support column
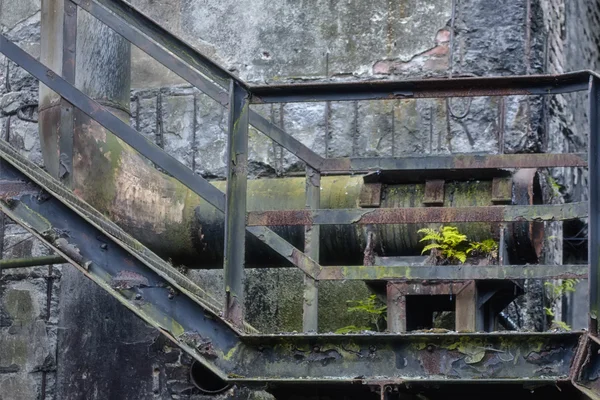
x: 310, y: 315
x: 58, y: 49
x: 396, y: 309
x: 67, y: 122
x: 235, y: 207
x: 594, y: 204
x: 466, y: 308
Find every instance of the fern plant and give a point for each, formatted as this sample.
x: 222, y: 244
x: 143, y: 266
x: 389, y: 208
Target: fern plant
x: 487, y: 248
x: 376, y: 310
x: 447, y: 241
x: 557, y: 290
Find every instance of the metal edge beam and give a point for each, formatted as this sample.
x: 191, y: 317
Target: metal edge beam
x: 594, y: 204
x: 455, y: 161
x: 427, y: 88
x: 452, y: 272
x: 415, y: 215
x: 154, y: 40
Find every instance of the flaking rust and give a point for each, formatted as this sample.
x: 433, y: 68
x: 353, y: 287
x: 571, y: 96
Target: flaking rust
x: 202, y: 345
x: 128, y: 280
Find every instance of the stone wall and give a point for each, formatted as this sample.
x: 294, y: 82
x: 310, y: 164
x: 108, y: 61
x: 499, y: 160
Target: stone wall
x: 267, y: 42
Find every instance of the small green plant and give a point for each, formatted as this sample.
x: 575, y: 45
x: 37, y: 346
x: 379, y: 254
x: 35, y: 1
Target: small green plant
x: 488, y: 247
x: 554, y: 185
x: 448, y: 242
x: 376, y: 310
x: 449, y: 245
x: 557, y: 290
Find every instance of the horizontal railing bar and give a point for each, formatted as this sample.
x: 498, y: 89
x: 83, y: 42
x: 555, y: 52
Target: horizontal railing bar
x: 131, y: 17
x: 416, y: 215
x: 186, y: 176
x: 453, y: 272
x: 427, y: 88
x: 456, y: 161
x: 183, y: 59
x: 11, y: 263
x: 109, y: 121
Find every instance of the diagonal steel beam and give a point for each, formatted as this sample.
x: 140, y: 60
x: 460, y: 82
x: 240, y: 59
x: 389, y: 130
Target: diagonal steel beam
x: 186, y: 176
x: 187, y: 62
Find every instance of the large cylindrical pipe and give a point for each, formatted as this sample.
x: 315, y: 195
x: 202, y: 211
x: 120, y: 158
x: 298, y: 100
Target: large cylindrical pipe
x: 340, y: 244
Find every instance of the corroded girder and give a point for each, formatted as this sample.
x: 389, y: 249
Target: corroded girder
x: 418, y: 215
x: 453, y: 272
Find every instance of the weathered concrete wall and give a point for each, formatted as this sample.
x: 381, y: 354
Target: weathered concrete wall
x: 274, y: 42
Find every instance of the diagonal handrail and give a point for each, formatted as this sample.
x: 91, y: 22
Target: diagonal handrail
x: 187, y: 62
x: 183, y: 174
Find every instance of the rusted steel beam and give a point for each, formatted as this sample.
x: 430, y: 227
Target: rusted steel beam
x: 415, y: 215
x: 452, y: 272
x: 30, y: 262
x: 419, y: 165
x: 416, y: 357
x: 594, y: 205
x: 427, y: 88
x: 235, y: 205
x: 310, y: 305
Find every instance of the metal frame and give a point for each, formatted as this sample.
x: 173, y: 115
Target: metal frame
x: 231, y: 92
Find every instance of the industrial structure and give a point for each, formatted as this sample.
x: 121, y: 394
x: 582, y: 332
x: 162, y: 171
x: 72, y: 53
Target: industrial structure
x: 331, y: 224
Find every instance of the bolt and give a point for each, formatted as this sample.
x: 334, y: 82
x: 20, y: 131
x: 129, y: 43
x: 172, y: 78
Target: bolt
x: 104, y: 246
x: 430, y: 348
x: 138, y: 296
x: 316, y: 349
x: 171, y: 295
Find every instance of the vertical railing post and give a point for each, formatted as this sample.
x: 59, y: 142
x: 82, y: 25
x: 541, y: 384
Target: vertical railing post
x: 58, y: 48
x: 310, y: 315
x: 67, y: 122
x: 594, y: 204
x: 235, y: 207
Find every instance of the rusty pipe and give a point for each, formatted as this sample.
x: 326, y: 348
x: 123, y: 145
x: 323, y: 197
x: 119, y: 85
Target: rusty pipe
x: 342, y: 244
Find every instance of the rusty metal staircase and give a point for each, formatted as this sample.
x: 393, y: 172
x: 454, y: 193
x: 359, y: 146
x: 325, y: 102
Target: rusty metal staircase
x: 216, y: 335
